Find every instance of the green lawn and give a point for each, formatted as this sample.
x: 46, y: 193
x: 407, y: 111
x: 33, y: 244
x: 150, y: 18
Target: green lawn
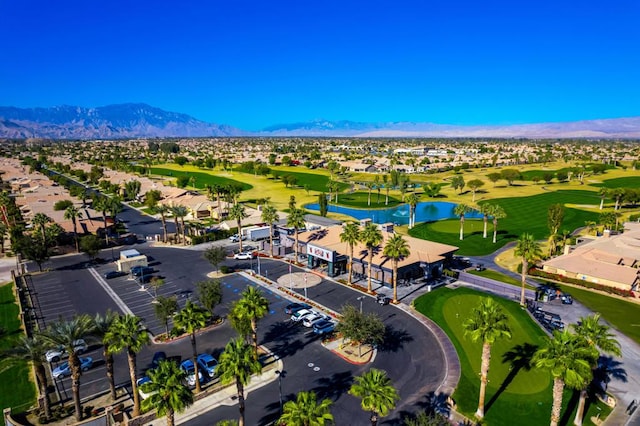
x: 515, y: 394
x: 201, y: 179
x: 622, y: 182
x: 360, y: 200
x: 499, y: 276
x: 16, y: 391
x: 622, y: 315
x: 314, y: 181
x: 524, y: 214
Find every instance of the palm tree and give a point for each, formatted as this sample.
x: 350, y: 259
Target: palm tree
x: 569, y: 360
x: 376, y: 183
x: 371, y: 237
x: 603, y: 193
x: 238, y: 213
x: 252, y: 306
x: 498, y: 213
x: 413, y: 199
x: 599, y: 337
x: 377, y: 393
x: 191, y: 319
x: 167, y: 392
x: 296, y: 221
x: 385, y: 178
x: 73, y: 213
x: 270, y: 216
x: 305, y: 411
x: 163, y: 210
x: 65, y: 334
x: 369, y: 186
x: 127, y: 332
x: 237, y: 364
x: 350, y: 235
x: 486, y: 324
x: 40, y: 220
x: 114, y: 207
x: 100, y: 204
x: 460, y: 210
x: 485, y: 210
x: 529, y: 250
x: 179, y: 212
x: 31, y: 349
x: 396, y: 249
x: 102, y: 325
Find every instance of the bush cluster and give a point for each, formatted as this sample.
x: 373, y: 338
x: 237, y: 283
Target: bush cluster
x: 607, y: 289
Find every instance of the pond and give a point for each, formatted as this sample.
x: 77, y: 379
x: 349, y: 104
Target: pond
x: 425, y: 212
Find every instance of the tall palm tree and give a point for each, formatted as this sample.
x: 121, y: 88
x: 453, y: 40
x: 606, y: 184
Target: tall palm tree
x: 65, y: 334
x: 114, y: 206
x: 370, y: 186
x: 179, y: 212
x: 237, y: 364
x: 377, y: 393
x: 101, y: 204
x: 371, y: 237
x: 599, y: 337
x: 569, y: 360
x: 102, y: 324
x: 31, y: 349
x: 167, y: 392
x: 40, y: 220
x: 498, y: 213
x: 192, y: 318
x: 238, y: 213
x: 396, y: 248
x: 72, y: 213
x: 487, y: 323
x: 385, y: 178
x: 296, y: 221
x: 252, y: 306
x: 350, y: 235
x: 305, y: 411
x: 413, y: 199
x: 529, y: 250
x: 270, y: 216
x: 376, y: 183
x: 163, y: 210
x: 460, y: 210
x: 603, y: 193
x: 485, y: 210
x: 127, y: 333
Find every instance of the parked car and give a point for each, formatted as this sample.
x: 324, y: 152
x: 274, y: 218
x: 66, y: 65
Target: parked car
x: 157, y: 357
x: 382, y: 299
x: 142, y: 271
x: 112, y: 274
x: 566, y: 299
x: 309, y: 320
x: 299, y: 315
x: 190, y: 370
x: 141, y: 381
x: 295, y: 307
x: 324, y: 326
x: 235, y: 238
x: 207, y: 363
x: 64, y: 369
x: 245, y: 255
x: 480, y: 267
x: 56, y: 354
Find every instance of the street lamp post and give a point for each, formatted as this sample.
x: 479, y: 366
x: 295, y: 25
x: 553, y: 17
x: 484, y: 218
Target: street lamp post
x: 361, y: 298
x: 280, y: 373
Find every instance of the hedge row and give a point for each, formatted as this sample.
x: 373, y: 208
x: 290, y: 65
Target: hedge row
x: 607, y: 289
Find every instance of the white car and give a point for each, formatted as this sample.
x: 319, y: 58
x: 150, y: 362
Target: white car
x: 310, y: 320
x: 243, y: 256
x: 301, y: 314
x: 56, y: 354
x: 141, y: 381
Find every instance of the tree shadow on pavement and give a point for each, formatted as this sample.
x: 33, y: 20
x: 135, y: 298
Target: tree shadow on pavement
x: 394, y: 339
x: 432, y: 405
x: 333, y: 387
x: 279, y: 332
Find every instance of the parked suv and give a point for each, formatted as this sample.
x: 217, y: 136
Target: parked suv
x: 138, y: 271
x: 56, y: 354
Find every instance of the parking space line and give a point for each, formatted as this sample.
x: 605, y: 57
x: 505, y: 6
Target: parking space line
x: 110, y: 292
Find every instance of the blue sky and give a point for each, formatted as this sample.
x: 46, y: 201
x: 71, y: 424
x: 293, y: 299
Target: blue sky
x: 251, y: 64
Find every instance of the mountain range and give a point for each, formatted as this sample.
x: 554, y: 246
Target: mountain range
x: 136, y: 120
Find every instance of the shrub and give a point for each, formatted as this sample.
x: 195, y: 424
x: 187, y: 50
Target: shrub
x: 225, y: 269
